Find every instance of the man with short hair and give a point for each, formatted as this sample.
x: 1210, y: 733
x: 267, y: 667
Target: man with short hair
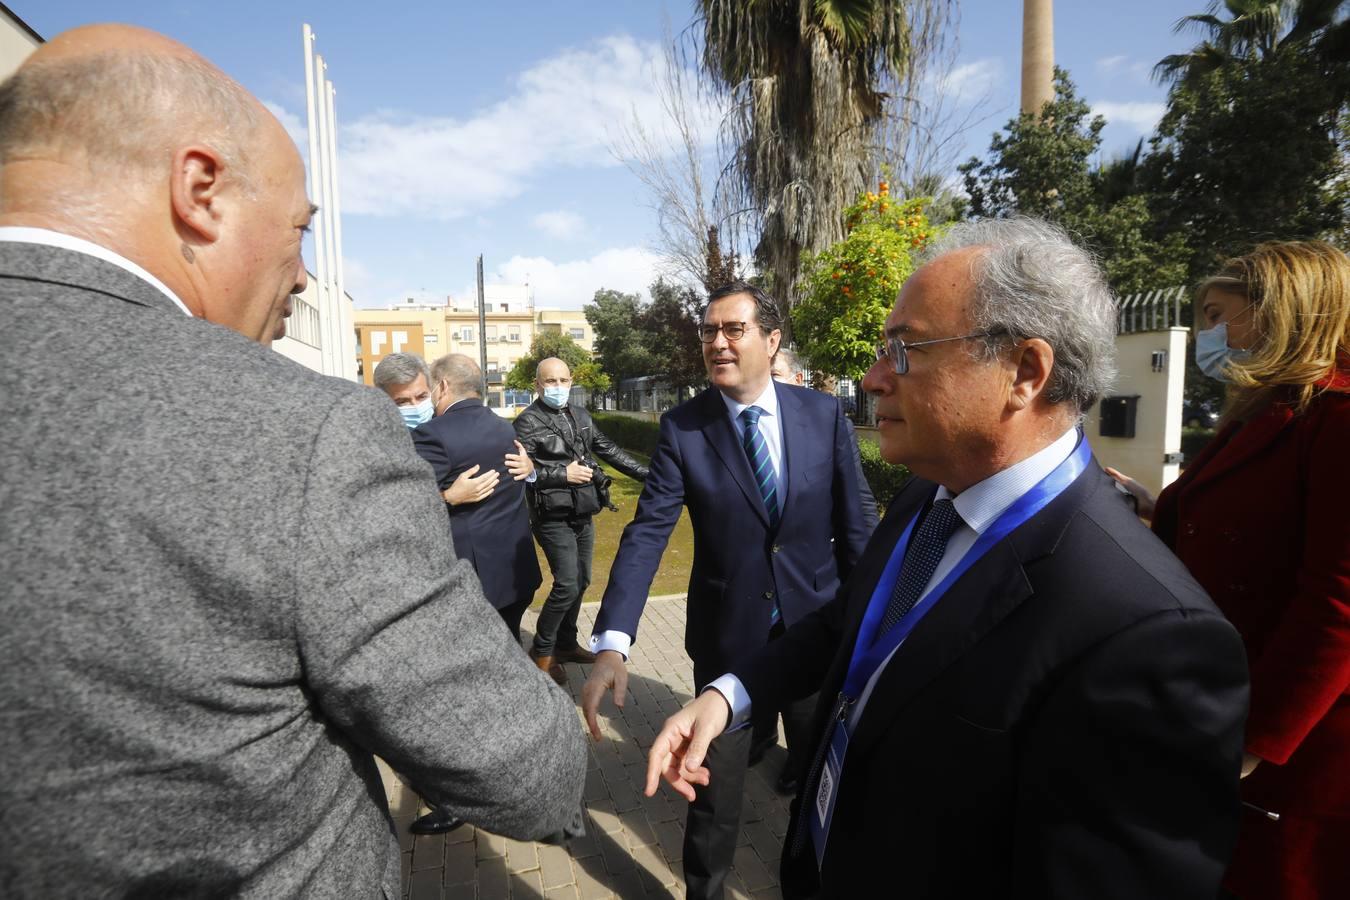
x: 770, y: 480
x: 407, y: 381
x: 231, y: 585
x: 1024, y: 694
x: 563, y: 442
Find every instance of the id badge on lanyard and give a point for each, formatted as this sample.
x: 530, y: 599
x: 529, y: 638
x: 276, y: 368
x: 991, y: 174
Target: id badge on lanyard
x: 872, y: 649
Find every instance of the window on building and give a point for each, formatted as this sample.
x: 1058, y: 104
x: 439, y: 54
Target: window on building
x: 490, y: 333
x: 466, y: 334
x: 578, y: 334
x: 513, y: 332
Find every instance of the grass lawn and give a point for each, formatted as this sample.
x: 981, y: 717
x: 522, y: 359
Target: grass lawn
x: 672, y: 576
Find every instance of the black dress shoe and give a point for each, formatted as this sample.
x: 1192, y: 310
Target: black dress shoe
x: 574, y: 655
x: 788, y: 785
x: 438, y: 821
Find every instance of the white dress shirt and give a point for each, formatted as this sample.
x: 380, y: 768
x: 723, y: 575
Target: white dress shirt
x: 771, y: 430
x: 979, y: 506
x: 49, y: 238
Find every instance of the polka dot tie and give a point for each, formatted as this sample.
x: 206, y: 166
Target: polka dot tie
x: 921, y: 560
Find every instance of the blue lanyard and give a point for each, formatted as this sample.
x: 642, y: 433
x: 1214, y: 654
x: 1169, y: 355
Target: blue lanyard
x: 869, y: 652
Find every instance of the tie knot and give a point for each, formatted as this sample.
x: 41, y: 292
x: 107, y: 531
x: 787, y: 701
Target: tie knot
x: 942, y: 519
x: 751, y: 415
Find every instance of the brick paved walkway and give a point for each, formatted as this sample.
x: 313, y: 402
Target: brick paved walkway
x: 633, y: 844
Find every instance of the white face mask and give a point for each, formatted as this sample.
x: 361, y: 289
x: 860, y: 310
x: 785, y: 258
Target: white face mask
x: 1212, y: 353
x: 417, y: 414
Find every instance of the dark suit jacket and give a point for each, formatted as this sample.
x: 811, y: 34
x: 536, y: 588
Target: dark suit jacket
x: 740, y: 564
x: 1066, y: 722
x: 493, y: 534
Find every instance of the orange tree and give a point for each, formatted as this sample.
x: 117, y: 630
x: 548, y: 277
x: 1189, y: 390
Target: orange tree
x: 850, y: 287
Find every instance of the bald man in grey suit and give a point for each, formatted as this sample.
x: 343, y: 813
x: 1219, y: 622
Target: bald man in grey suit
x: 228, y: 583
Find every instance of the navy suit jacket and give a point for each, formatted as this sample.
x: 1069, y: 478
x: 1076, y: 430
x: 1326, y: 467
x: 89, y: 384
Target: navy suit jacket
x: 741, y: 566
x: 1066, y: 722
x: 493, y: 534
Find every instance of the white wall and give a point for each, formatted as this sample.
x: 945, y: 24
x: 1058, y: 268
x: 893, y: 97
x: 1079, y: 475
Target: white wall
x: 1158, y: 417
x: 15, y: 45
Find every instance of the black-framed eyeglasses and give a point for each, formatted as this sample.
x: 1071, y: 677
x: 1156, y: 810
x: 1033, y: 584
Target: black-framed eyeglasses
x: 897, y: 350
x: 733, y: 330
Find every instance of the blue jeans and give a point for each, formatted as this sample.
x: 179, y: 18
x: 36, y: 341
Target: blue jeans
x: 568, y: 544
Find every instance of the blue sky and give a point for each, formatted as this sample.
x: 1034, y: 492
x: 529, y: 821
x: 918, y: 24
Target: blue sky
x: 470, y: 128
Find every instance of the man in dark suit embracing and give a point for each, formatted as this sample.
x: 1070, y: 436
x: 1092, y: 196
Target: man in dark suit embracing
x: 770, y: 478
x: 1023, y: 694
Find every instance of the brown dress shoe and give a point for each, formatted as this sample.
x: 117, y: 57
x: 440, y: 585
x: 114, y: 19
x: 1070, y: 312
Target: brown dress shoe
x: 553, y: 668
x: 577, y: 654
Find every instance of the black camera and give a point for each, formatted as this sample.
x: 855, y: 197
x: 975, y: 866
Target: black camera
x: 602, y: 481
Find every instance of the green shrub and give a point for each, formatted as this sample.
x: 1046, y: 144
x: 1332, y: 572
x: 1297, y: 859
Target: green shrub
x: 637, y: 435
x: 885, y: 479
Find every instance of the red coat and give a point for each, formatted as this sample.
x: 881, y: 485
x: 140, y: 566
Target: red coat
x: 1262, y: 520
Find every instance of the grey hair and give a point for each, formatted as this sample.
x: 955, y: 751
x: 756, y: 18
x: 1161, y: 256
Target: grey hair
x: 1033, y: 281
x: 789, y: 358
x: 126, y: 113
x: 459, y: 373
x: 398, y: 369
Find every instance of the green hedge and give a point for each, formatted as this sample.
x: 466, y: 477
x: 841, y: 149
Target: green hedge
x: 637, y: 435
x: 885, y: 479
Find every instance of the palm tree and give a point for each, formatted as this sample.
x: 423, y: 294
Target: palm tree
x: 807, y: 82
x: 1258, y: 29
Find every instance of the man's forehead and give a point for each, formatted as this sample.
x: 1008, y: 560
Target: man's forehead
x: 736, y: 307
x: 936, y: 296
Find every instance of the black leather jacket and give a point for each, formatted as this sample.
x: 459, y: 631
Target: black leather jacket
x: 552, y: 441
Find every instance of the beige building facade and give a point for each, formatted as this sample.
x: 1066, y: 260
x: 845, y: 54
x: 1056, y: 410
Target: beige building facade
x: 432, y: 331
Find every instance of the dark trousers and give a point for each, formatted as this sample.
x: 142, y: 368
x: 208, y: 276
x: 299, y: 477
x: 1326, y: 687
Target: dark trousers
x: 568, y: 544
x: 714, y: 819
x: 797, y: 729
x: 512, y: 614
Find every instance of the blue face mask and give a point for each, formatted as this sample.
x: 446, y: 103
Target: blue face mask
x: 1212, y: 353
x: 418, y: 414
x: 556, y: 397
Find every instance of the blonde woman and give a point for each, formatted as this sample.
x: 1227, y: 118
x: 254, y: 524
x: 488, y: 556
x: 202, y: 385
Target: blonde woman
x: 1262, y: 520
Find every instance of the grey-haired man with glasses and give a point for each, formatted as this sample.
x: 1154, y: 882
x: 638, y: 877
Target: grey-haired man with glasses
x: 768, y: 474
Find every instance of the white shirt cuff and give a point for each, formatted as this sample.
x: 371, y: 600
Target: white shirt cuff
x: 612, y: 640
x: 532, y: 477
x: 730, y: 687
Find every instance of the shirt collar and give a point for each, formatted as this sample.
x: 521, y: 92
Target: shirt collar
x: 981, y: 503
x: 49, y: 238
x: 767, y: 401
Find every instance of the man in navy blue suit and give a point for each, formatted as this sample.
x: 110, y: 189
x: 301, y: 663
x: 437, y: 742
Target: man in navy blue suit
x: 491, y: 532
x: 768, y: 474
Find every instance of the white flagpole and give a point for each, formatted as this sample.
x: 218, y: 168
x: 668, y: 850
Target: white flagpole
x: 330, y: 328
x: 316, y: 196
x: 346, y: 345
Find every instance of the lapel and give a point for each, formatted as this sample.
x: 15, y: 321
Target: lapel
x: 977, y: 602
x: 720, y: 433
x: 792, y: 421
x: 1241, y: 445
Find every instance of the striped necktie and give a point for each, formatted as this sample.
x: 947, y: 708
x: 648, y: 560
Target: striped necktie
x: 760, y: 463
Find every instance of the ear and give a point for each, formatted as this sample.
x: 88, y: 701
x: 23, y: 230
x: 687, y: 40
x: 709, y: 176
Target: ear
x: 775, y: 338
x: 1032, y: 360
x: 194, y: 190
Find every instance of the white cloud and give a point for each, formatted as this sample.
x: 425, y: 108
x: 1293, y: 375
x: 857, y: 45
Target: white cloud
x: 1137, y: 116
x: 971, y: 82
x: 569, y: 285
x: 1112, y: 63
x: 1123, y: 66
x: 563, y: 111
x: 559, y: 223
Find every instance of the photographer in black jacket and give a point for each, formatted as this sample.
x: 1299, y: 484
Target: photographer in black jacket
x: 563, y: 442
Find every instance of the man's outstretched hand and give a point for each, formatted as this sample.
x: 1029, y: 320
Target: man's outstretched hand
x: 681, y: 747
x: 608, y: 671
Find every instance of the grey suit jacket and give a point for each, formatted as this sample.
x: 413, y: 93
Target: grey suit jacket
x: 226, y: 582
